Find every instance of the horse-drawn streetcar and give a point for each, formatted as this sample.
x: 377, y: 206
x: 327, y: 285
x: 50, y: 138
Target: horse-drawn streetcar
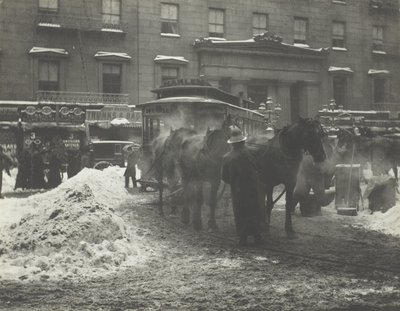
x: 196, y: 105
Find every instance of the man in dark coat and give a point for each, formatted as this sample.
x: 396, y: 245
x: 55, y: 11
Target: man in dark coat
x: 239, y: 172
x: 5, y: 163
x: 130, y: 171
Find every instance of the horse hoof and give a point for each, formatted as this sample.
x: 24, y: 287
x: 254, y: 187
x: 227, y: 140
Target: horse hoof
x: 291, y: 235
x: 213, y: 228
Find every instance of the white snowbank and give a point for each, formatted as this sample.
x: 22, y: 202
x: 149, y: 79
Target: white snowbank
x: 70, y: 231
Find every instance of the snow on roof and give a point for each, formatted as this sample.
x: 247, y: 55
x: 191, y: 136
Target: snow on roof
x: 101, y: 54
x: 38, y: 50
x: 338, y: 69
x: 163, y: 58
x: 376, y: 71
x: 119, y: 121
x: 95, y: 142
x: 17, y: 103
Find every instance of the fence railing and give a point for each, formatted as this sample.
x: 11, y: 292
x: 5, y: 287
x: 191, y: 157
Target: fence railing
x: 82, y: 98
x: 392, y: 107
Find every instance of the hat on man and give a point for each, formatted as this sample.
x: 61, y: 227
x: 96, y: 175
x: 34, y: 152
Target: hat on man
x: 236, y: 136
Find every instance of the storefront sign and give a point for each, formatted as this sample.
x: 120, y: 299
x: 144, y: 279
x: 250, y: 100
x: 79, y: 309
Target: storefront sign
x: 48, y: 114
x: 8, y: 114
x: 111, y: 113
x: 178, y: 82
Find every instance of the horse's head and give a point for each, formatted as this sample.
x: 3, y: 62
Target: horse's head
x: 311, y: 134
x: 215, y: 141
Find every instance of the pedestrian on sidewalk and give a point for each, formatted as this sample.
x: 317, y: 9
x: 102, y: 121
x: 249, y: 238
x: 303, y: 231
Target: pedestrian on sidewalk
x: 130, y: 171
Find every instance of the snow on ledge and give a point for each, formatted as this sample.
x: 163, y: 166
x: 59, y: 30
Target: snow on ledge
x: 171, y: 35
x: 301, y: 45
x: 336, y: 48
x: 51, y: 25
x: 111, y: 30
x: 340, y: 69
x: 38, y: 50
x: 115, y: 54
x: 378, y: 52
x: 376, y: 72
x: 215, y: 39
x: 166, y: 58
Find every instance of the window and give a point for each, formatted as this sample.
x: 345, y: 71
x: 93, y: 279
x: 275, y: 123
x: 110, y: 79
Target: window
x: 111, y: 12
x: 169, y: 73
x: 300, y: 30
x: 338, y: 29
x: 48, y: 5
x: 340, y: 90
x: 379, y: 90
x: 260, y: 23
x: 377, y: 38
x: 48, y: 76
x: 112, y: 78
x: 169, y: 18
x: 216, y: 23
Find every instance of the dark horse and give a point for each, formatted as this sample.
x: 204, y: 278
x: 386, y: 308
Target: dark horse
x: 200, y: 161
x: 278, y: 162
x: 164, y: 162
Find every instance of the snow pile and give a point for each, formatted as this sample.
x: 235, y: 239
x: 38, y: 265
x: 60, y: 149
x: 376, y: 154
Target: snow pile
x: 70, y: 231
x: 388, y: 222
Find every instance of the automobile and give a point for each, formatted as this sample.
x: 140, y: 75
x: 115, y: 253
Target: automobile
x: 107, y: 153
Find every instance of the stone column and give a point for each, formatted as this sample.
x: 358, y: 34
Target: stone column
x: 283, y: 99
x: 312, y: 98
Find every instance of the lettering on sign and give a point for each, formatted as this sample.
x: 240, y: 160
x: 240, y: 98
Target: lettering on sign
x: 47, y: 114
x: 8, y: 114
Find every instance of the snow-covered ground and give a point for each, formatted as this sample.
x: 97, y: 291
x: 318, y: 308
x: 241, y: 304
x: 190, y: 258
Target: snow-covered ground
x: 70, y: 231
x: 75, y: 230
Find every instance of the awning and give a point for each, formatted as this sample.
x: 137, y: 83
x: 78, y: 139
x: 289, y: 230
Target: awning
x: 180, y: 60
x: 378, y: 72
x: 52, y: 51
x: 340, y: 69
x: 116, y: 55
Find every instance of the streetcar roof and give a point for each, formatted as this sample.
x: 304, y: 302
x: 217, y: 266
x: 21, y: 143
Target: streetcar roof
x: 195, y: 99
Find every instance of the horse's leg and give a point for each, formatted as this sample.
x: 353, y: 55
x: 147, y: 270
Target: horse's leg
x: 198, y: 202
x: 212, y: 224
x: 185, y: 201
x: 270, y: 205
x: 288, y: 207
x: 160, y: 192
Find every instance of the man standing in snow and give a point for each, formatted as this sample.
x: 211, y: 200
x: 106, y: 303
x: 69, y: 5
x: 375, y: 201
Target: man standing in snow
x: 130, y: 171
x: 239, y: 172
x: 5, y: 163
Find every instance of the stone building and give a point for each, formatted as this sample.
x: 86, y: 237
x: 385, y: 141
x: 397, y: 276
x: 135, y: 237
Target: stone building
x: 300, y: 53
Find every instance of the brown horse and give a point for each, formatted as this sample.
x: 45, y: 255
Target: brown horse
x: 201, y: 162
x: 278, y: 162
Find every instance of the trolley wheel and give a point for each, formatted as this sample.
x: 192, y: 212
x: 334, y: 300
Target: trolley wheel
x: 102, y: 165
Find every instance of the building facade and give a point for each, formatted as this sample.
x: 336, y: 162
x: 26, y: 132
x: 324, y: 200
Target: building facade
x: 301, y: 53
